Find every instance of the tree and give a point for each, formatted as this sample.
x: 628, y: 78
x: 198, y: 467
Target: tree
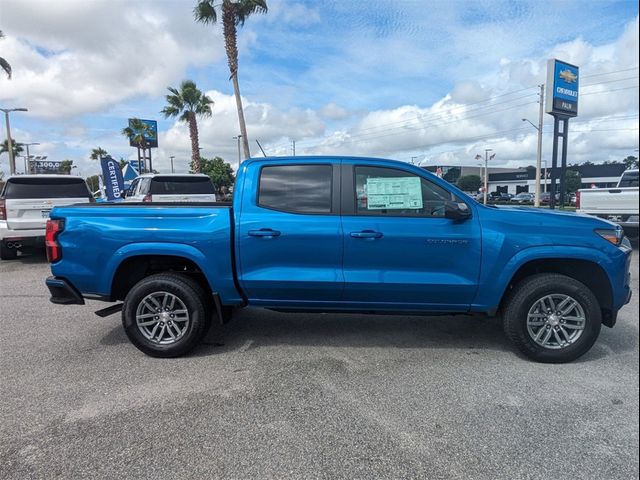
x: 3, y: 63
x: 234, y: 14
x: 219, y: 171
x: 469, y: 183
x: 187, y: 103
x: 93, y: 183
x: 573, y: 181
x: 17, y: 148
x: 137, y: 132
x: 630, y: 162
x: 66, y: 166
x: 123, y: 162
x: 97, y: 153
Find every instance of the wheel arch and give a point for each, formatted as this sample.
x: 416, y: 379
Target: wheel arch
x: 586, y: 271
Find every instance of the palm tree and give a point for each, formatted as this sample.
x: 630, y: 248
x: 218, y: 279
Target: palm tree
x: 137, y: 132
x: 18, y: 148
x: 187, y: 103
x: 3, y: 63
x: 98, y: 153
x: 234, y: 14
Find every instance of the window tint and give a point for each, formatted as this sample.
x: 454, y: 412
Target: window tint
x: 296, y: 188
x: 181, y: 185
x: 43, y: 187
x: 629, y: 179
x: 387, y: 191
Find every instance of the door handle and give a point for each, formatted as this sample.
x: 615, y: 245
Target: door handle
x: 264, y: 232
x: 366, y: 234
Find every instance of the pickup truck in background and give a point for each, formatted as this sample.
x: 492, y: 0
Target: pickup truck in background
x: 341, y: 234
x: 25, y: 204
x: 152, y: 187
x: 619, y: 204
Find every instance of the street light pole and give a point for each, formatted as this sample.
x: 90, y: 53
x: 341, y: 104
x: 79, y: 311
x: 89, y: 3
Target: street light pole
x: 486, y: 173
x: 171, y: 158
x: 239, y: 155
x: 12, y: 158
x: 27, y: 145
x: 539, y: 152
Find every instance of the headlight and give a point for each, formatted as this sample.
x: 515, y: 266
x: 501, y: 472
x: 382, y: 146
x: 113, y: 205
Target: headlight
x: 613, y: 236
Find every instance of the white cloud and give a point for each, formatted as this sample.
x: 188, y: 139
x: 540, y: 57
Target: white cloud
x: 87, y: 56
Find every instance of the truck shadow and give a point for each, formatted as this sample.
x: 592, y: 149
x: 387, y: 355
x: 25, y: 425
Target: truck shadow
x: 253, y: 328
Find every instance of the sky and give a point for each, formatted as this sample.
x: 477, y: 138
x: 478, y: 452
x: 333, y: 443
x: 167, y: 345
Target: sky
x: 432, y: 82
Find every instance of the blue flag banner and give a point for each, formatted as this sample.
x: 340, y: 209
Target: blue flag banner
x: 113, y: 181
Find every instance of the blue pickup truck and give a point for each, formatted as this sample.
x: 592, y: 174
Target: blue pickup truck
x: 341, y: 234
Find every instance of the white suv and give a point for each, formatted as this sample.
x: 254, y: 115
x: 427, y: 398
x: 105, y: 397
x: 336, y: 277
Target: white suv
x: 25, y: 203
x: 171, y: 188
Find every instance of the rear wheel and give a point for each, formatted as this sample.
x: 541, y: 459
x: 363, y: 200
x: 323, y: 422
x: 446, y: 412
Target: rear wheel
x: 552, y: 318
x: 165, y: 315
x: 7, y: 253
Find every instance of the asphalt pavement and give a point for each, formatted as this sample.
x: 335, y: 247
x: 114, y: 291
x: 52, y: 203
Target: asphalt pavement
x: 306, y: 396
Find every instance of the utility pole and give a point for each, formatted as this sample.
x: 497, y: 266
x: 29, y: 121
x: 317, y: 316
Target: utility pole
x: 486, y: 173
x: 293, y: 147
x: 171, y: 158
x: 12, y: 158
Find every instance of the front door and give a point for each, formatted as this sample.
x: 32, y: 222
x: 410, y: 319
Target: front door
x: 400, y: 250
x: 290, y: 235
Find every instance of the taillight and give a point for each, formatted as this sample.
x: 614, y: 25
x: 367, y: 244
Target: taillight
x: 147, y: 198
x: 3, y: 209
x: 54, y: 251
x: 577, y: 200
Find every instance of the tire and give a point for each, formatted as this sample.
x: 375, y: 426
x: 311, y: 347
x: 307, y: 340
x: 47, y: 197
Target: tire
x: 7, y: 253
x: 525, y: 318
x: 184, y: 316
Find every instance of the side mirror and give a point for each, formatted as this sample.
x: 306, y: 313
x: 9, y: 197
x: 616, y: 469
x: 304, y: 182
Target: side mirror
x: 456, y: 210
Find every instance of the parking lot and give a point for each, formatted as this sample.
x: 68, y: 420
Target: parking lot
x: 306, y: 396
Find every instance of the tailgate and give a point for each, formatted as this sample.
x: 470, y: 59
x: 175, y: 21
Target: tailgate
x: 32, y: 214
x: 609, y: 200
x: 184, y: 198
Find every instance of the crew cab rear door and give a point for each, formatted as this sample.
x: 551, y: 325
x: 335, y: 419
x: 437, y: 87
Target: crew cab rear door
x: 29, y: 199
x: 290, y: 235
x: 400, y: 250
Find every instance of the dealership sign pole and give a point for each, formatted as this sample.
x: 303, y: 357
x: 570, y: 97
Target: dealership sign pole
x: 562, y: 104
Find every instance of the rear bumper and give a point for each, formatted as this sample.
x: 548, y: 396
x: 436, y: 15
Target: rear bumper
x: 62, y: 292
x: 33, y: 237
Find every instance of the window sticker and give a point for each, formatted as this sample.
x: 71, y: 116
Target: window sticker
x: 393, y: 193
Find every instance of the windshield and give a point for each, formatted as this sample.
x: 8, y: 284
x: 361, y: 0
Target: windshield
x: 181, y: 186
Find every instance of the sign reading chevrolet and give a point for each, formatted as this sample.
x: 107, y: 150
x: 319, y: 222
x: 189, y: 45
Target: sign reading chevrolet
x: 562, y: 88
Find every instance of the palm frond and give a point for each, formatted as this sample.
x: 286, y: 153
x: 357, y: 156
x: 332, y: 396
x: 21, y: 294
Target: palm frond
x: 205, y: 12
x: 6, y: 67
x: 246, y: 8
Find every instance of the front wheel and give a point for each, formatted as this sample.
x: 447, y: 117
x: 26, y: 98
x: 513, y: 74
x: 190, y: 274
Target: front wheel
x: 165, y: 315
x: 552, y: 318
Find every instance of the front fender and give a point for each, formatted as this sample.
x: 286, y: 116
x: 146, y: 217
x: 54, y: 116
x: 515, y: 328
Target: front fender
x: 490, y: 292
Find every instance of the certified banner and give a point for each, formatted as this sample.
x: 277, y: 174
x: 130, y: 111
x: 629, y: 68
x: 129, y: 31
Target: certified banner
x: 112, y: 177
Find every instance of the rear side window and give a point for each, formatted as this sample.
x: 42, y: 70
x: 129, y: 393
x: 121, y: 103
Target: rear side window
x: 181, y: 186
x: 32, y: 187
x: 629, y: 179
x: 296, y: 188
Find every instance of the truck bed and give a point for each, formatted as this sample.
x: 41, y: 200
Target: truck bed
x: 98, y: 237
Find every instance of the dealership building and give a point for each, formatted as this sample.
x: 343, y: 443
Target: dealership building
x: 517, y: 180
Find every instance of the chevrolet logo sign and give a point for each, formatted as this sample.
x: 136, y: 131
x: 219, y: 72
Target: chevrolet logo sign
x: 568, y: 76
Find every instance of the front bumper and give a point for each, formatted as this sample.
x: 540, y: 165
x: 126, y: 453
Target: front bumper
x: 62, y: 292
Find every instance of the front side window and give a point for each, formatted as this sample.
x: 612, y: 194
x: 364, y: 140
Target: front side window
x: 387, y: 191
x: 296, y: 188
